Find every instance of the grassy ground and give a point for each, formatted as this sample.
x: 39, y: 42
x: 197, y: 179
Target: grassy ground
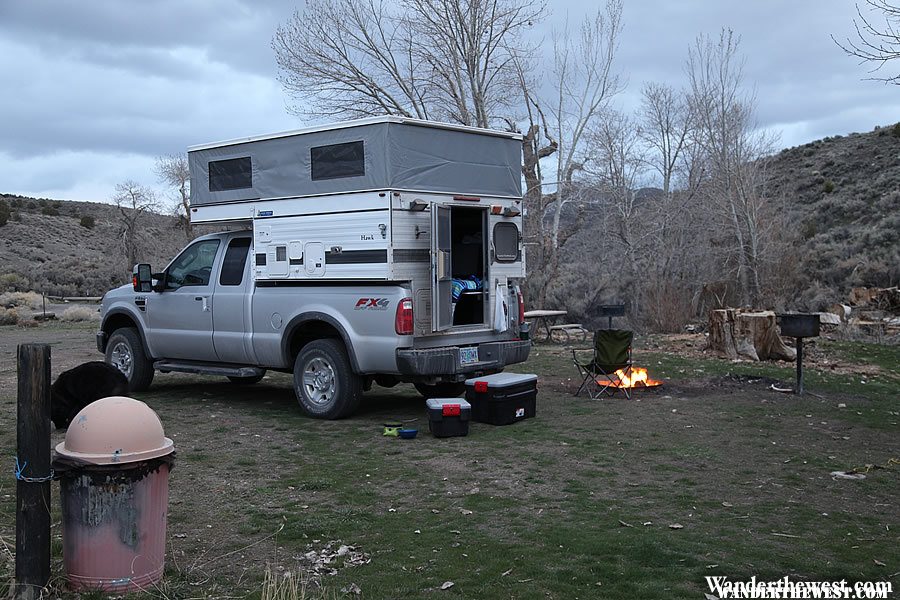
x: 577, y: 503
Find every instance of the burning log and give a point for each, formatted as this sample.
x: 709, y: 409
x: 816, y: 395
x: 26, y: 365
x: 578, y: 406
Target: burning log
x: 636, y: 377
x: 752, y: 335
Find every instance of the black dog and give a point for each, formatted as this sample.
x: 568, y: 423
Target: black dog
x: 76, y: 388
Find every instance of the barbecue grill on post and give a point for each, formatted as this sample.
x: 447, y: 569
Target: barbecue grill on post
x: 610, y: 311
x: 799, y: 326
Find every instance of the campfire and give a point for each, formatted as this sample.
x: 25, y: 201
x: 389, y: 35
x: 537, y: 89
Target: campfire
x: 637, y: 377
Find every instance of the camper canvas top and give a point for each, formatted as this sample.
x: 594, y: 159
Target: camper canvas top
x: 383, y: 153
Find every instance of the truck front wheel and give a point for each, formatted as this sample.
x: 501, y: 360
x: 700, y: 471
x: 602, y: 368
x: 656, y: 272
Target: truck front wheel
x: 325, y: 384
x: 125, y: 351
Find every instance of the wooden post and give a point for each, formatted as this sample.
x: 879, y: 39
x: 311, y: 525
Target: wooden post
x: 33, y: 472
x: 799, y: 390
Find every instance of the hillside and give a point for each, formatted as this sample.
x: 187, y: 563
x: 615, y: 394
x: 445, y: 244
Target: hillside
x: 843, y: 198
x: 45, y: 243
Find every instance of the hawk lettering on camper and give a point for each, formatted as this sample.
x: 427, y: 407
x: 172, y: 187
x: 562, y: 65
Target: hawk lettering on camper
x: 372, y: 304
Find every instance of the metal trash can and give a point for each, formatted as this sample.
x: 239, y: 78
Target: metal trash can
x: 113, y: 469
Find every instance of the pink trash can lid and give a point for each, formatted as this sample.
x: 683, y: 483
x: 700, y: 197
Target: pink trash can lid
x: 115, y: 430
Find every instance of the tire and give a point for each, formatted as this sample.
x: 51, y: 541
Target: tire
x: 324, y: 382
x: 125, y: 351
x: 445, y: 389
x: 246, y: 380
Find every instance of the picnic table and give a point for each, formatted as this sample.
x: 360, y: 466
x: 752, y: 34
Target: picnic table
x: 543, y: 320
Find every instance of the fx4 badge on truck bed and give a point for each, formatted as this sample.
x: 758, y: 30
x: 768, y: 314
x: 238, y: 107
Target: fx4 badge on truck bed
x: 372, y: 304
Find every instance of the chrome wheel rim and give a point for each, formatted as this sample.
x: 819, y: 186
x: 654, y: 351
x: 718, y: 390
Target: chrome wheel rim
x: 319, y: 381
x: 121, y: 358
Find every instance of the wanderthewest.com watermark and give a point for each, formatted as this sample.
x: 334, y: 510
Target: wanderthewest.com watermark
x: 722, y: 588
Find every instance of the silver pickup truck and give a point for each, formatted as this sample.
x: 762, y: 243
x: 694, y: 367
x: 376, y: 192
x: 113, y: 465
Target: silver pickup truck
x: 206, y: 314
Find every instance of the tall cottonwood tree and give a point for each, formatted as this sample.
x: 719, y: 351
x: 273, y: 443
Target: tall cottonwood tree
x: 449, y: 60
x: 666, y: 128
x: 581, y: 80
x: 173, y: 170
x: 732, y: 147
x: 583, y: 83
x: 133, y: 201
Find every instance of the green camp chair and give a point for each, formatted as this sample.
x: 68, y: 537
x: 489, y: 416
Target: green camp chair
x: 612, y: 352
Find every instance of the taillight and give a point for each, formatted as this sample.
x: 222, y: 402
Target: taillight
x: 403, y: 323
x: 521, y: 307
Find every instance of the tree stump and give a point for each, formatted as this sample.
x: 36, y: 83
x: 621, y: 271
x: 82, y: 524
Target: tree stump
x: 752, y: 335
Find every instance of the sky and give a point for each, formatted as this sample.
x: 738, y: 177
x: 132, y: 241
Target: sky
x: 92, y: 91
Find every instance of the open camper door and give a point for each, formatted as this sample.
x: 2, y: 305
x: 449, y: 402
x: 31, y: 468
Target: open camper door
x: 441, y: 273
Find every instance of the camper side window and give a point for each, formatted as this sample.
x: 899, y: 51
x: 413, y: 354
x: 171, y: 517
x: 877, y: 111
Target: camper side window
x: 338, y: 160
x: 231, y: 174
x: 506, y: 242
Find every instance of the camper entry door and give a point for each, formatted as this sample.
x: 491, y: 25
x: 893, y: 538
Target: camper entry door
x: 441, y: 273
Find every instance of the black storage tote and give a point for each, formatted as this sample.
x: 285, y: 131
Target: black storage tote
x: 503, y: 398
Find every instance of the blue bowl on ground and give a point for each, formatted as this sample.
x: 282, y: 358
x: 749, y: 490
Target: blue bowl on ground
x: 408, y: 434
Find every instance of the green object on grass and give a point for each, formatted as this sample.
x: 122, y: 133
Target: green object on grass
x: 391, y: 430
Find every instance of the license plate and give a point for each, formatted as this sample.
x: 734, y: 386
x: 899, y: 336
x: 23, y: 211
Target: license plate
x: 468, y: 356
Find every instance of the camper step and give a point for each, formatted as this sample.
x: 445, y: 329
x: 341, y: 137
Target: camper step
x: 198, y: 368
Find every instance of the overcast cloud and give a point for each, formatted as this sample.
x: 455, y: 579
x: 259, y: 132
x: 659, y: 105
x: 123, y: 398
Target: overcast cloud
x: 94, y: 90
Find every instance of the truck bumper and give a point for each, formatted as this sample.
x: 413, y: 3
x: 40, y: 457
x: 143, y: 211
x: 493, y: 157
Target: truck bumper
x: 492, y: 357
x: 101, y: 341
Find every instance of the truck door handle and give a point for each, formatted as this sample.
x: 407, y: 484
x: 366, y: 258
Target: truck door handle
x: 198, y: 298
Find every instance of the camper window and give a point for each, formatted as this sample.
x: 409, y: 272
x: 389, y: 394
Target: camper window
x: 231, y: 174
x: 506, y: 242
x: 337, y: 160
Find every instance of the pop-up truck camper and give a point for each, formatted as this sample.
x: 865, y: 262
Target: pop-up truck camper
x: 382, y: 250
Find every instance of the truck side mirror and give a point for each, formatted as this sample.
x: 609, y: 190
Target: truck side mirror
x: 141, y: 279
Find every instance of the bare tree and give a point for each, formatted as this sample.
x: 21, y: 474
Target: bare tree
x: 876, y: 43
x: 617, y: 164
x: 133, y: 201
x: 173, y: 170
x: 732, y: 147
x: 583, y: 84
x: 666, y: 128
x: 430, y: 59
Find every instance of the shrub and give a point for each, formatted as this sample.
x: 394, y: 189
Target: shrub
x: 4, y: 213
x: 828, y: 186
x: 49, y: 211
x: 87, y: 221
x: 16, y: 299
x: 895, y: 130
x: 8, y: 316
x: 13, y: 282
x: 79, y: 313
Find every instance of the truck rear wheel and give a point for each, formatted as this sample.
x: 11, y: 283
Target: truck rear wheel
x: 324, y: 382
x: 125, y: 351
x: 446, y: 389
